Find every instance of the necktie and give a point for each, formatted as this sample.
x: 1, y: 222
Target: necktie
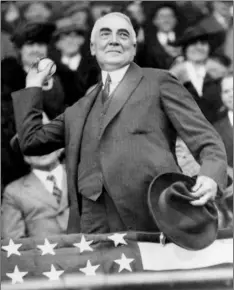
x: 106, y: 89
x: 56, y: 191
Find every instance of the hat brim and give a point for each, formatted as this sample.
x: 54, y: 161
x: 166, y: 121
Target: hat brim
x: 194, y: 240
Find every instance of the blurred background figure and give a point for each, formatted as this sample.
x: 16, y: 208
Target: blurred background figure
x: 36, y: 205
x: 32, y: 42
x: 225, y: 125
x: 218, y: 65
x: 197, y: 46
x: 220, y: 20
x: 100, y: 8
x: 135, y: 11
x: 162, y: 31
x: 78, y: 71
x: 40, y: 11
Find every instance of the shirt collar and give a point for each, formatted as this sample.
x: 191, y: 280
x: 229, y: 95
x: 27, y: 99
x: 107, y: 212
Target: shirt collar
x: 116, y: 76
x: 57, y: 172
x: 199, y: 71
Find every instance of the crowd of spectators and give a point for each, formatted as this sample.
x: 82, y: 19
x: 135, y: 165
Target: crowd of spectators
x: 192, y: 39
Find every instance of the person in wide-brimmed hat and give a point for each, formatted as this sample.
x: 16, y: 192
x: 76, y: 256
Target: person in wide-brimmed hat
x: 31, y: 41
x: 77, y: 70
x: 197, y: 45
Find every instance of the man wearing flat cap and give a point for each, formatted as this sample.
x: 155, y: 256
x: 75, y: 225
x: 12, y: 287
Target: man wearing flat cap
x: 121, y: 135
x: 31, y: 41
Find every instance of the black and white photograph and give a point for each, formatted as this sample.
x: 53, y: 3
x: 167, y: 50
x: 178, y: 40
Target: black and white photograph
x: 117, y: 145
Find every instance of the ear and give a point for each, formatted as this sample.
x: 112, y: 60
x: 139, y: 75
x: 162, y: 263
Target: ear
x: 92, y: 49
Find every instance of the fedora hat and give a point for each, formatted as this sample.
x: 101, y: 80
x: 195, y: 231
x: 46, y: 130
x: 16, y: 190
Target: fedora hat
x: 190, y: 227
x: 33, y: 31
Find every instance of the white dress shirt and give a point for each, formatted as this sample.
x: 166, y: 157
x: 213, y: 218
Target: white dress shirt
x: 72, y: 62
x: 56, y: 172
x: 164, y: 38
x: 116, y: 77
x: 196, y: 76
x: 230, y: 117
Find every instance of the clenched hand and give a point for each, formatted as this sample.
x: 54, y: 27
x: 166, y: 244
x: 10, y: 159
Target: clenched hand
x: 204, y: 190
x: 35, y: 78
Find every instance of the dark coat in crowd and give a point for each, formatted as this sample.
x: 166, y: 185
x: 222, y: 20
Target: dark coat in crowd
x: 225, y: 130
x: 210, y: 103
x: 12, y: 79
x: 76, y: 83
x: 155, y: 54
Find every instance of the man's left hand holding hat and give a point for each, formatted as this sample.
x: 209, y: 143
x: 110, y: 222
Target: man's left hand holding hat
x: 204, y: 190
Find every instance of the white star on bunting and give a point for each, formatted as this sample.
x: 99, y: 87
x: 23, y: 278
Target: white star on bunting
x: 47, y: 248
x: 12, y: 248
x: 118, y: 239
x: 16, y: 276
x: 84, y: 245
x: 124, y: 263
x: 53, y: 275
x: 89, y: 270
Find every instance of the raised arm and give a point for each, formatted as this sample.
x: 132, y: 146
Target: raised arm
x: 34, y: 137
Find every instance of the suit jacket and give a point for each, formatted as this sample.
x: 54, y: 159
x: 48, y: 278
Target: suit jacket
x: 137, y: 141
x: 29, y: 210
x: 225, y: 130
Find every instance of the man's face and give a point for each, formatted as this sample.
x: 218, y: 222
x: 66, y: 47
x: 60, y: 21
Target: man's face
x: 136, y: 11
x: 37, y: 12
x: 227, y: 92
x: 165, y: 19
x: 70, y: 43
x: 30, y: 52
x: 197, y: 51
x: 113, y: 44
x: 80, y: 18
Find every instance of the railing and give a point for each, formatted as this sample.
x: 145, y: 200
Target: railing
x: 218, y: 278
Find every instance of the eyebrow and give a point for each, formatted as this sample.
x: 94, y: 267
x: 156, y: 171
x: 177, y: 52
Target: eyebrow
x: 119, y: 30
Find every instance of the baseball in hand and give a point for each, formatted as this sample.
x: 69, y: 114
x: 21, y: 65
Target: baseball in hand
x: 44, y: 62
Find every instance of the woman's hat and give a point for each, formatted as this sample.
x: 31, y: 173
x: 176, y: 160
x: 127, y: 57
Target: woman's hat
x: 39, y: 32
x: 190, y: 227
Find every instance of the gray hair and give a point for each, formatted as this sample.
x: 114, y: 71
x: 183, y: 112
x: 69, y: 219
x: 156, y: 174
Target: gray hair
x: 121, y: 15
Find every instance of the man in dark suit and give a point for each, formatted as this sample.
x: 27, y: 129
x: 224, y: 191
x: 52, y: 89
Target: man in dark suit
x: 121, y: 135
x: 163, y: 30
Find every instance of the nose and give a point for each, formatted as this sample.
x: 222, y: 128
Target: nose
x: 114, y: 39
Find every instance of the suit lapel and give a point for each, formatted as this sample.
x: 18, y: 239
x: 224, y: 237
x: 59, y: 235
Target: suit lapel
x: 122, y: 93
x: 35, y: 187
